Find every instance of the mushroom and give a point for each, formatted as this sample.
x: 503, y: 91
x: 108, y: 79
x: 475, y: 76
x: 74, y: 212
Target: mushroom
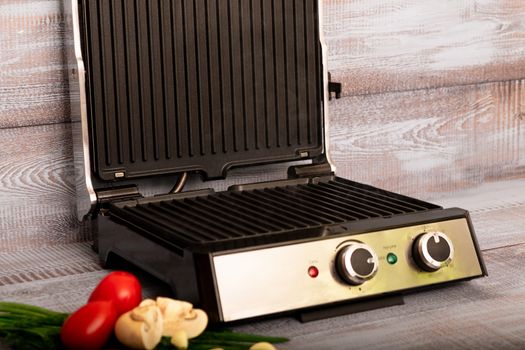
x: 180, y: 315
x: 148, y: 302
x: 194, y: 324
x: 173, y: 309
x: 140, y: 328
x: 262, y: 346
x: 179, y: 339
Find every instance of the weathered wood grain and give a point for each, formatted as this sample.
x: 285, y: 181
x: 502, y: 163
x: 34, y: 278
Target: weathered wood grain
x: 397, y: 45
x: 428, y: 142
x: 44, y: 263
x: 373, y: 46
x: 36, y: 195
x: 33, y: 89
x: 487, y: 313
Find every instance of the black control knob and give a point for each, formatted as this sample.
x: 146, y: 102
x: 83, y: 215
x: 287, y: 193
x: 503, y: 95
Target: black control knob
x: 356, y: 263
x: 432, y: 251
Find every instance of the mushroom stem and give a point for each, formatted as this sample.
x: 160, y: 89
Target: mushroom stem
x: 180, y: 315
x: 179, y: 339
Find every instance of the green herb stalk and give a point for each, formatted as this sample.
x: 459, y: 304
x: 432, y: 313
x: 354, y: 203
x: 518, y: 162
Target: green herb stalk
x: 28, y: 327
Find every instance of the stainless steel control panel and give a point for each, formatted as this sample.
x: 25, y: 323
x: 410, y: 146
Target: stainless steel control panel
x: 295, y: 276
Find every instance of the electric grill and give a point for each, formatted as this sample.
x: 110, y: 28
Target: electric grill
x: 164, y: 87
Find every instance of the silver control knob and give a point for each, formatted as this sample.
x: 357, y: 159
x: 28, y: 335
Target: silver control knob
x: 356, y: 263
x: 432, y: 251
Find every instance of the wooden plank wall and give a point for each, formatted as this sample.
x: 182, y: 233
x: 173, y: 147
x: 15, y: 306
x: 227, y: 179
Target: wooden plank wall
x: 434, y: 104
x: 396, y: 45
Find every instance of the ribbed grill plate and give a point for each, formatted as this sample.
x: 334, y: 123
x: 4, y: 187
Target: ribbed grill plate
x: 176, y: 85
x: 239, y: 218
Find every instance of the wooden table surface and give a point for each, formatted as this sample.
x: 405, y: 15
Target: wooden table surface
x: 433, y: 106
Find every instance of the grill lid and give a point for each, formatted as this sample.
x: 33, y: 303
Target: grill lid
x: 180, y: 85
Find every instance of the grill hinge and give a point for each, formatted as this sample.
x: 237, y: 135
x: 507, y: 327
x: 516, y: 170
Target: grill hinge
x: 310, y: 170
x: 334, y: 88
x: 117, y: 194
x: 166, y: 197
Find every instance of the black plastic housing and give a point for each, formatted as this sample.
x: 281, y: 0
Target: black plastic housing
x: 188, y: 270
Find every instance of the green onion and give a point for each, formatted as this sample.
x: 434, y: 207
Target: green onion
x: 225, y: 339
x: 28, y: 327
x: 243, y: 337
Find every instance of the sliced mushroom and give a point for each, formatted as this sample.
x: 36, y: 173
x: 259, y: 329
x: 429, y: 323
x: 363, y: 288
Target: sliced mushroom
x: 140, y: 328
x: 179, y: 339
x: 148, y: 302
x: 194, y: 324
x: 180, y: 315
x: 173, y: 309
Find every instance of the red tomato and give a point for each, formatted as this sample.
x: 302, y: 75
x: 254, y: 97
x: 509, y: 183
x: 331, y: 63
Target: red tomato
x: 90, y: 327
x: 122, y: 288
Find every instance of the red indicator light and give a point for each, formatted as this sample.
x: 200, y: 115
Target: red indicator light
x: 313, y: 271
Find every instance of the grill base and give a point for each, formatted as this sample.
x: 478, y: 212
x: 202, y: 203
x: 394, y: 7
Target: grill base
x: 156, y: 237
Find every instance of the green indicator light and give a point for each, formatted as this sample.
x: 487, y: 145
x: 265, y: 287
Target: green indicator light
x: 391, y: 258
